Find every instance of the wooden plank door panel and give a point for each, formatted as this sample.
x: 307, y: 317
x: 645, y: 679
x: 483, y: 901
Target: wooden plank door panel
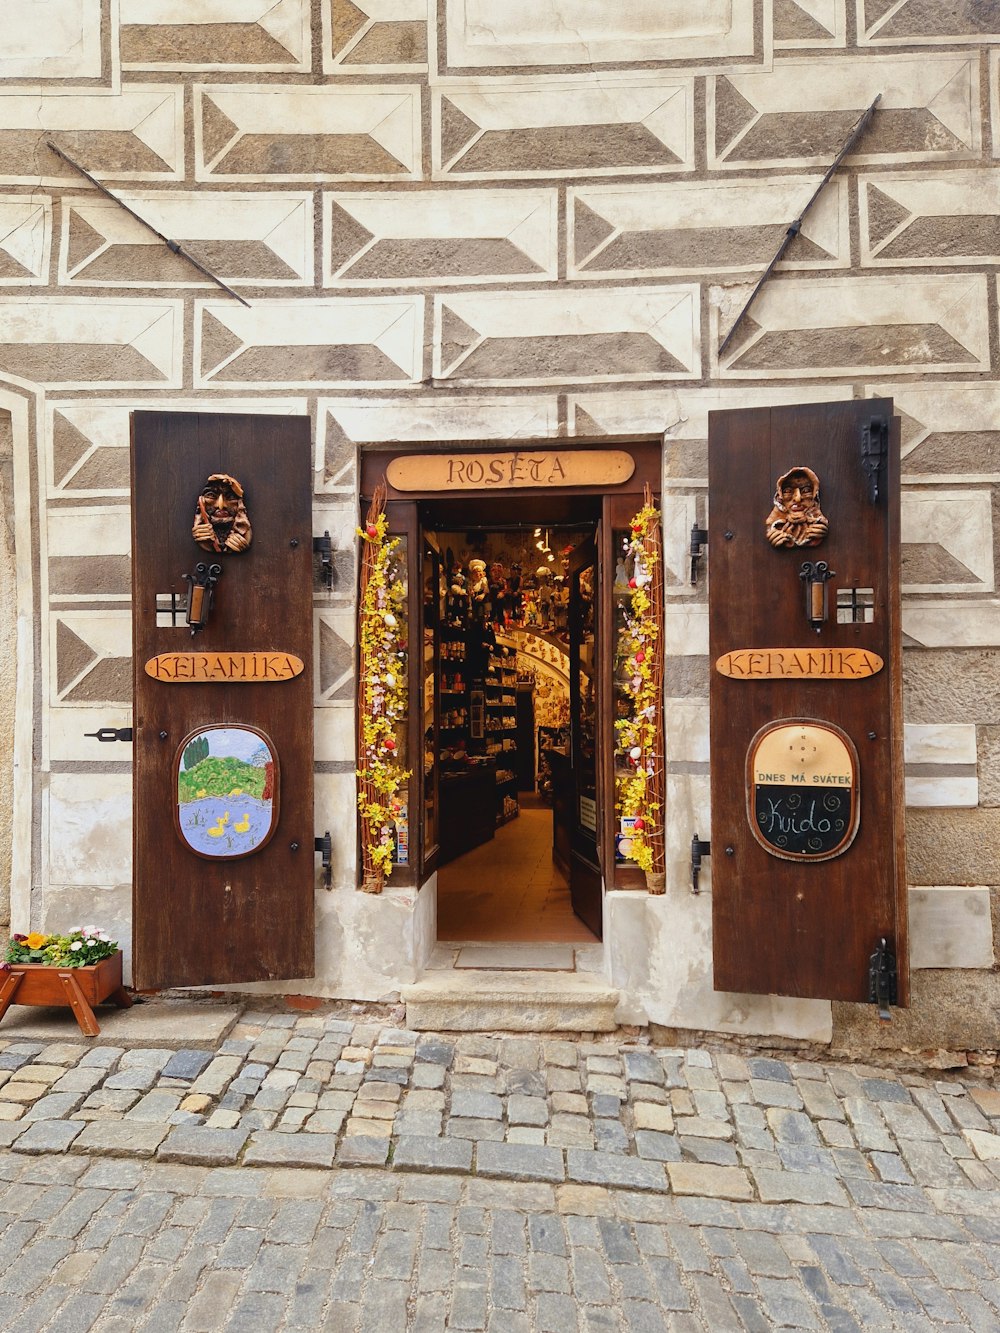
x: 197, y: 920
x: 795, y: 927
x: 585, y: 730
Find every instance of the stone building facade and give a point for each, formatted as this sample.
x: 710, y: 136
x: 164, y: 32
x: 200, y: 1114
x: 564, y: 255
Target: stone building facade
x: 454, y: 221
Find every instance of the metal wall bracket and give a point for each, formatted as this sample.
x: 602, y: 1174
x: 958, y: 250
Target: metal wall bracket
x: 699, y: 538
x: 324, y: 845
x: 795, y: 227
x: 874, y: 452
x: 111, y: 734
x: 173, y: 246
x: 882, y: 979
x: 323, y: 547
x: 699, y: 849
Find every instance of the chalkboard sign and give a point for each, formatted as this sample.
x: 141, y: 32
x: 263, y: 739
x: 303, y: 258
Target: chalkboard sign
x: 802, y: 789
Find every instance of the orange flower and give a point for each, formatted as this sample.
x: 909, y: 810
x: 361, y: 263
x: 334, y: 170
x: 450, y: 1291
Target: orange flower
x: 36, y: 940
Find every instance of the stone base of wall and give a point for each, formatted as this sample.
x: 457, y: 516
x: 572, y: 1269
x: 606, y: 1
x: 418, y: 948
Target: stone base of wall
x: 951, y: 1010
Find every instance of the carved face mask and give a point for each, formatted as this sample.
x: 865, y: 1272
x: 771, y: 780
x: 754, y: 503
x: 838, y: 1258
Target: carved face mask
x: 798, y: 491
x: 221, y: 523
x: 796, y: 519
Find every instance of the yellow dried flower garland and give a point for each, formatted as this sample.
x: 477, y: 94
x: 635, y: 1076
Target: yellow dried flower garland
x: 382, y: 697
x: 637, y: 734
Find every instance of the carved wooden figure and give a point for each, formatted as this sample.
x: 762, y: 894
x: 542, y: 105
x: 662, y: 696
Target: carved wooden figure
x: 796, y: 519
x: 221, y: 522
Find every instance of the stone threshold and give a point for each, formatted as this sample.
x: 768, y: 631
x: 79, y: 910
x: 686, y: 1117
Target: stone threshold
x: 509, y: 1000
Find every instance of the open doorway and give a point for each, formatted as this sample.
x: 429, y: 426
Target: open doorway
x: 509, y: 700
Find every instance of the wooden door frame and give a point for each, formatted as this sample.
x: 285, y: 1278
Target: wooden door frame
x: 617, y: 505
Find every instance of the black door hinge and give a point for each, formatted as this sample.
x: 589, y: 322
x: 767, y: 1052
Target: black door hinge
x: 323, y: 547
x: 324, y: 845
x: 882, y: 979
x: 698, y: 850
x: 111, y: 734
x: 874, y: 452
x: 699, y: 537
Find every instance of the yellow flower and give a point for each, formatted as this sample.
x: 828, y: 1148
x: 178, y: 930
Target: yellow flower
x: 36, y: 940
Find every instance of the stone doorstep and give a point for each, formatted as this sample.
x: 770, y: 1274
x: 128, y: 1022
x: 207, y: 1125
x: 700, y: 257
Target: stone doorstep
x: 171, y: 1024
x: 509, y: 1001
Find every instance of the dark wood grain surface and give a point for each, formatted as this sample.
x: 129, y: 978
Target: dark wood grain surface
x: 780, y: 927
x: 199, y: 921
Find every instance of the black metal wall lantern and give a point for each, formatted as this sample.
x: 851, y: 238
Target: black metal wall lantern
x: 815, y: 575
x: 201, y: 595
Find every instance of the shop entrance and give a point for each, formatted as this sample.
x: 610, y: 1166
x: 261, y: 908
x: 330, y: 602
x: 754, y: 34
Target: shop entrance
x: 511, y: 562
x: 509, y: 698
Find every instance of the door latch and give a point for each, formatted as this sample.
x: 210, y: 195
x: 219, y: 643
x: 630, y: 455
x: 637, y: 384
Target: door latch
x: 874, y: 452
x: 111, y: 734
x: 324, y: 846
x: 882, y: 979
x: 698, y: 850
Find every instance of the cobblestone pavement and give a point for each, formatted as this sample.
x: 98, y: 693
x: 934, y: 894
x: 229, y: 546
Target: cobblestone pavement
x: 488, y: 1183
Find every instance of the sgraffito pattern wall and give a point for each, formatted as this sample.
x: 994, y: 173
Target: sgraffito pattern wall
x: 460, y: 220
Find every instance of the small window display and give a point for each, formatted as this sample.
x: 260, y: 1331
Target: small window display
x: 227, y: 791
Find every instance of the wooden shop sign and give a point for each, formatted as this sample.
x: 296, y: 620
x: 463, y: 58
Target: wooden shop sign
x: 799, y: 664
x: 542, y: 469
x: 223, y: 668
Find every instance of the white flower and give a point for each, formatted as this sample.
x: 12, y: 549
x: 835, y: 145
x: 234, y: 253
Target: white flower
x: 77, y: 944
x: 102, y: 935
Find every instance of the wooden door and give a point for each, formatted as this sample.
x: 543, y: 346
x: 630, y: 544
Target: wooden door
x: 223, y: 741
x: 807, y: 828
x: 585, y: 727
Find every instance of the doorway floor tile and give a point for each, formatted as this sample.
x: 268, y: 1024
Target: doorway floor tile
x: 540, y: 957
x: 509, y: 889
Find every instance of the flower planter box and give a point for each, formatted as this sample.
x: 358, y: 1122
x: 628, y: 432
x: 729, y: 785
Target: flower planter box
x: 79, y: 987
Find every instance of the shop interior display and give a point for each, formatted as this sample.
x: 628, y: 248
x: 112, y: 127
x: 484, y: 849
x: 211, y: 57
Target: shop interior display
x: 502, y: 642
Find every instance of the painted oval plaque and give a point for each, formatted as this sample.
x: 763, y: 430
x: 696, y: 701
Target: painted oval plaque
x: 803, y: 789
x: 226, y: 784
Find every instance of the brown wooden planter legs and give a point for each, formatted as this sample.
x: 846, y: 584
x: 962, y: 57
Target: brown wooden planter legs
x: 79, y: 988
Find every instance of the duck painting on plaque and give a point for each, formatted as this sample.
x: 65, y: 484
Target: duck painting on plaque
x: 227, y: 791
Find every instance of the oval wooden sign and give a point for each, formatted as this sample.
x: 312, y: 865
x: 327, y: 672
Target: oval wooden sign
x: 223, y: 668
x: 544, y: 469
x: 802, y: 788
x: 799, y: 664
x: 226, y: 783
